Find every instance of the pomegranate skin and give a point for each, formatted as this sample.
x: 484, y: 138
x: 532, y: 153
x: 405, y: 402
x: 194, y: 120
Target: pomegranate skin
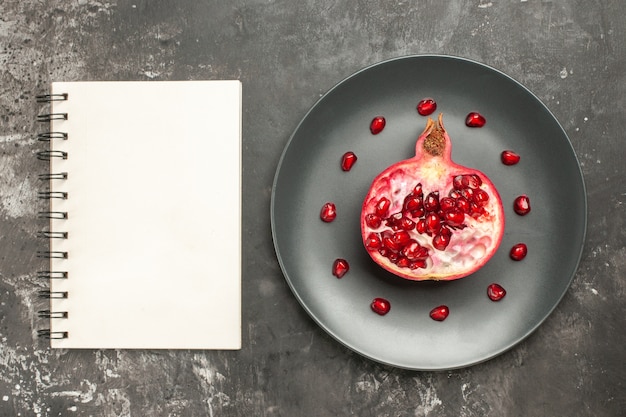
x: 446, y: 248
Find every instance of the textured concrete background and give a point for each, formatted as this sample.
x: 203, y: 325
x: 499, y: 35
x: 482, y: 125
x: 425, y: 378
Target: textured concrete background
x: 572, y: 54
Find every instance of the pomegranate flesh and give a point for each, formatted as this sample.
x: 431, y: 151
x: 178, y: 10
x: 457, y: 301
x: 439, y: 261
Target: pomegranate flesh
x: 428, y: 218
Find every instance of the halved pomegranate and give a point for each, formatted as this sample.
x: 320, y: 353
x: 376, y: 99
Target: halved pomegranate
x: 428, y: 218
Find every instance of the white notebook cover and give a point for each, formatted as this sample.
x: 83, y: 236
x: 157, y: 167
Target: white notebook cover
x: 154, y: 215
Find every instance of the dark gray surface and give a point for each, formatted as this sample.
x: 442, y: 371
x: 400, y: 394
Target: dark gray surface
x: 571, y: 54
x: 309, y: 175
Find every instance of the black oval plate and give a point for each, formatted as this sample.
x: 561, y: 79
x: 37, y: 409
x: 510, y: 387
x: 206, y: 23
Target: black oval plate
x: 309, y: 175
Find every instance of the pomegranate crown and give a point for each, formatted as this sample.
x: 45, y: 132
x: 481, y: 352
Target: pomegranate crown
x: 434, y: 140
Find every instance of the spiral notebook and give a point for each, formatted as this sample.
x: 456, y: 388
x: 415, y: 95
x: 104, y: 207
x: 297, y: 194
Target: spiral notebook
x: 144, y: 189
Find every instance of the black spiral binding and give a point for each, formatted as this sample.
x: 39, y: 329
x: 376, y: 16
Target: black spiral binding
x: 47, y: 155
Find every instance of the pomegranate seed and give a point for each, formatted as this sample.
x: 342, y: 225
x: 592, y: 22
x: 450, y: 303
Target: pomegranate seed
x: 373, y: 241
x: 476, y: 210
x: 413, y: 202
x: 389, y: 243
x: 509, y: 158
x: 454, y: 217
x: 420, y: 227
x: 463, y: 205
x: 340, y: 267
x: 472, y: 181
x: 401, y: 238
x: 380, y: 306
x: 447, y: 203
x: 373, y: 221
x: 441, y: 241
x: 403, y: 262
x: 377, y: 125
x: 480, y: 197
x: 418, y: 213
x: 383, y: 206
x: 426, y: 106
x: 454, y: 194
x: 431, y: 202
x: 420, y: 263
x: 439, y: 313
x: 407, y: 224
x: 328, y: 212
x: 495, y: 292
x: 433, y: 223
x: 518, y: 252
x: 475, y: 119
x: 468, y: 193
x: 457, y: 182
x: 347, y: 160
x: 413, y: 251
x: 521, y: 205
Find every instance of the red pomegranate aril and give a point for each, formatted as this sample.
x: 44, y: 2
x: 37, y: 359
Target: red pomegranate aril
x: 446, y: 220
x: 442, y: 239
x: 431, y: 202
x: 426, y: 106
x: 521, y: 205
x: 454, y: 217
x: 347, y: 160
x: 480, y: 197
x: 407, y: 224
x: 340, y: 267
x: 403, y: 262
x: 518, y: 252
x: 328, y: 212
x: 380, y: 306
x: 373, y: 221
x: 467, y: 193
x: 509, y: 157
x: 393, y: 221
x: 373, y: 241
x: 413, y: 202
x: 383, y: 206
x: 420, y: 263
x: 472, y: 181
x: 414, y: 251
x: 475, y: 119
x: 447, y: 203
x: 439, y: 313
x: 495, y: 292
x: 377, y: 125
x: 401, y: 238
x: 420, y: 226
x: 433, y: 223
x: 463, y: 204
